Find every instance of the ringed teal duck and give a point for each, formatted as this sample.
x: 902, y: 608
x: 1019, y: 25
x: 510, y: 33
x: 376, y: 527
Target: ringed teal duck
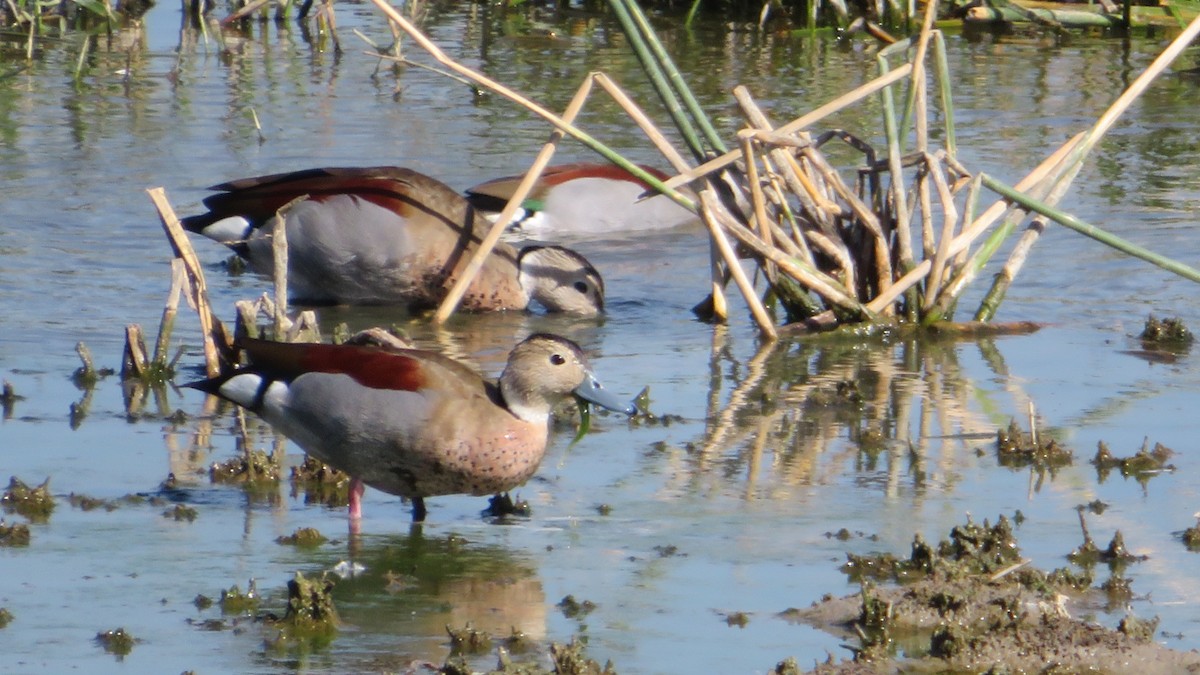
x: 410, y: 422
x: 585, y: 198
x: 388, y: 235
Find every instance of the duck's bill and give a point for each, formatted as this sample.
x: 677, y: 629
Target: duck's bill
x: 593, y: 392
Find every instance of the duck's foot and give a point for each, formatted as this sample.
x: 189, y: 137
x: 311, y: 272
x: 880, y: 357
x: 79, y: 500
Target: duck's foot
x: 503, y: 505
x: 418, y: 510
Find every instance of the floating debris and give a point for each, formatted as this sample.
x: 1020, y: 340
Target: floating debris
x: 202, y: 602
x: 253, y: 467
x: 1015, y: 448
x: 35, y: 504
x: 1116, y: 556
x: 6, y: 617
x: 1190, y: 536
x: 116, y: 641
x: 739, y: 619
x: 310, y: 604
x: 321, y: 483
x: 8, y: 399
x: 14, y: 535
x: 86, y: 503
x: 1168, y: 334
x: 573, y: 609
x: 181, y: 512
x: 518, y: 642
x: 571, y: 658
x: 502, y: 505
x: 1141, y: 466
x: 304, y: 537
x: 233, y: 601
x: 467, y: 640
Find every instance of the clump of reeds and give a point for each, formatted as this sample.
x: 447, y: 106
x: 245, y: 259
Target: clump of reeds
x: 896, y: 237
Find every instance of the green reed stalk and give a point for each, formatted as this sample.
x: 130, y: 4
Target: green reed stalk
x: 1088, y: 230
x: 678, y: 84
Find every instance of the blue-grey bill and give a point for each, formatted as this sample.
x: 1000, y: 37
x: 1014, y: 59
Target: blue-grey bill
x: 593, y: 391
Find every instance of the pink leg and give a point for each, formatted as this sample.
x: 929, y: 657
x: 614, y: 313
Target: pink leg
x: 356, y: 492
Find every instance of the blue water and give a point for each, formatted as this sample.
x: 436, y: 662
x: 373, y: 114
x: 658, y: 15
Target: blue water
x: 744, y: 486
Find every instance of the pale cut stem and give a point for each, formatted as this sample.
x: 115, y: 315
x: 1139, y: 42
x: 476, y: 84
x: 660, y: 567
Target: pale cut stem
x: 197, y: 289
x: 714, y: 210
x: 843, y: 101
x: 450, y: 302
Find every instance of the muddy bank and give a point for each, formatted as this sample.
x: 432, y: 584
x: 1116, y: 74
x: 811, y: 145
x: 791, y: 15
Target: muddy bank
x: 972, y: 604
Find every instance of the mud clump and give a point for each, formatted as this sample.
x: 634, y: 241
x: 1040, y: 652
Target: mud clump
x: 86, y: 503
x: 972, y: 604
x: 310, y: 609
x: 35, y: 503
x: 1017, y: 449
x: 468, y: 640
x: 234, y: 601
x: 568, y: 659
x: 320, y: 483
x: 1142, y: 466
x: 116, y: 641
x: 253, y: 467
x: 502, y: 506
x: 574, y: 609
x: 304, y: 537
x: 1190, y: 536
x: 1166, y: 334
x: 181, y: 513
x: 14, y: 535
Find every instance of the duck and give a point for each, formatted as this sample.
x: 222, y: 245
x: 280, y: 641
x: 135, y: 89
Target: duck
x: 583, y: 199
x: 412, y: 422
x: 388, y: 236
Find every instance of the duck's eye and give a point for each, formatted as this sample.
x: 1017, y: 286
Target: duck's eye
x: 581, y: 287
x: 557, y: 359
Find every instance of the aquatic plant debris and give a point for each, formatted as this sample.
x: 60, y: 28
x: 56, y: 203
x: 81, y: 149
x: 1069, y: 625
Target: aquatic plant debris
x: 310, y: 604
x: 253, y: 467
x: 234, y: 601
x: 320, y: 483
x: 16, y: 534
x: 35, y: 503
x: 468, y: 640
x: 116, y: 641
x: 1147, y: 462
x: 1166, y: 333
x: 977, y: 606
x: 181, y: 513
x: 1015, y: 448
x: 306, y: 537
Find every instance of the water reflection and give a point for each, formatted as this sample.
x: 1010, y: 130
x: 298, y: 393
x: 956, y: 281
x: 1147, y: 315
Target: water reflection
x: 414, y: 587
x: 801, y: 413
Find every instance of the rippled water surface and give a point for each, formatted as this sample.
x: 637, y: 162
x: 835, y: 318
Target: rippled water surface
x: 727, y: 509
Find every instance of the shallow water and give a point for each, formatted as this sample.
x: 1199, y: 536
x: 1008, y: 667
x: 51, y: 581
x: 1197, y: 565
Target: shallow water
x: 727, y: 509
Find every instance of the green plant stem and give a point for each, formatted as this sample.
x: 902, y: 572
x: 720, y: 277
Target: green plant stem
x: 1087, y: 229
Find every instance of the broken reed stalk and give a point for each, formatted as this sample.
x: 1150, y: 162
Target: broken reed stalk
x: 217, y: 345
x: 450, y: 302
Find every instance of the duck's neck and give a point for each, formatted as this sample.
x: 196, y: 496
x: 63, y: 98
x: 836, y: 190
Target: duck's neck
x: 524, y: 404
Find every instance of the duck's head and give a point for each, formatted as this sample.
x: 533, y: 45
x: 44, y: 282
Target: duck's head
x: 543, y: 370
x: 561, y: 280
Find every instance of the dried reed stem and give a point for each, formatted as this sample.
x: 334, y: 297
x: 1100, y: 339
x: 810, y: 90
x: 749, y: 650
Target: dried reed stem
x: 216, y: 341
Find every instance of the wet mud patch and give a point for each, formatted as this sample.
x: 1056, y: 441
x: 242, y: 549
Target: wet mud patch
x: 972, y: 604
x: 320, y: 484
x: 1145, y: 464
x: 35, y: 503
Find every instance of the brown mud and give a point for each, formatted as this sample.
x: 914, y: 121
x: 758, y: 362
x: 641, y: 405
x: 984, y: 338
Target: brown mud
x: 972, y: 604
